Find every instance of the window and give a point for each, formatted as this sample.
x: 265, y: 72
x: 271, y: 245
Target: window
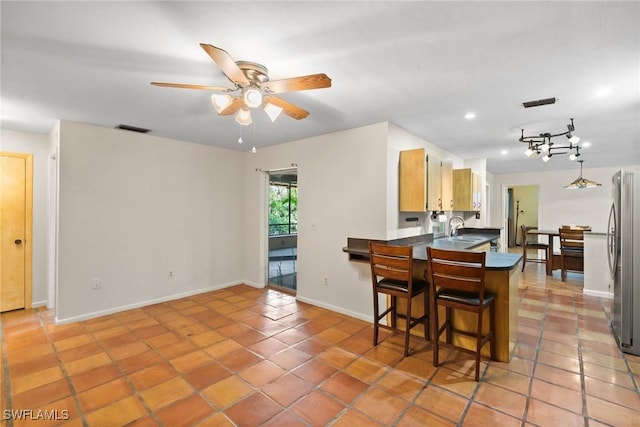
x: 283, y: 208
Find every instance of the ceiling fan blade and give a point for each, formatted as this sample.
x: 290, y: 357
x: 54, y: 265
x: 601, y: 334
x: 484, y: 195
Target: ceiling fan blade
x: 226, y: 63
x: 288, y: 108
x: 313, y: 81
x: 199, y: 87
x: 233, y: 107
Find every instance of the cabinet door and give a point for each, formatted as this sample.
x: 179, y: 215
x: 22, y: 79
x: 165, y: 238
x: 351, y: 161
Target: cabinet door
x: 462, y: 190
x: 446, y: 173
x: 434, y: 186
x: 477, y: 194
x: 413, y: 180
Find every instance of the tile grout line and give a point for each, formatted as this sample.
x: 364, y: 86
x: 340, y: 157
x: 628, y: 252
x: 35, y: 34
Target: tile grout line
x: 583, y: 389
x: 125, y: 375
x: 535, y: 358
x: 74, y: 394
x: 623, y: 354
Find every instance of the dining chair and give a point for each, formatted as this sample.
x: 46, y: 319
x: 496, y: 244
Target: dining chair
x: 392, y: 275
x: 578, y: 227
x: 456, y: 280
x: 529, y: 245
x: 571, y: 250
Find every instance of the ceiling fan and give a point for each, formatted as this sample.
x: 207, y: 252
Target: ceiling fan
x: 252, y: 88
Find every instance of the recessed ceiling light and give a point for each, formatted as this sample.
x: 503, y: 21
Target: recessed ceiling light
x: 603, y: 91
x: 586, y: 144
x: 470, y: 116
x: 504, y: 152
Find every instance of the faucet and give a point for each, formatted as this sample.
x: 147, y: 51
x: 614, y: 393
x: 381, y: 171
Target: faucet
x: 453, y: 231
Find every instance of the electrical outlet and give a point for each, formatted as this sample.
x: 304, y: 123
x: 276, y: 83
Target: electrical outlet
x: 325, y: 281
x: 96, y: 283
x: 170, y: 274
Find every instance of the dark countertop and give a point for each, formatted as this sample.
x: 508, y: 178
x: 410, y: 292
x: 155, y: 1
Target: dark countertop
x: 358, y: 249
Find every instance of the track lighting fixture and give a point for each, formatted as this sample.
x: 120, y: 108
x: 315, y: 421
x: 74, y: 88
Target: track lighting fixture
x: 542, y: 143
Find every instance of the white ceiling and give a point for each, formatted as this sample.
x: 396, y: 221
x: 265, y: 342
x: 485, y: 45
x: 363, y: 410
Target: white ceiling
x: 420, y: 65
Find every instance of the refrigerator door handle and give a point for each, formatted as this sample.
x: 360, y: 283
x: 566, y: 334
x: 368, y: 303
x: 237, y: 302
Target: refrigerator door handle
x: 612, y: 246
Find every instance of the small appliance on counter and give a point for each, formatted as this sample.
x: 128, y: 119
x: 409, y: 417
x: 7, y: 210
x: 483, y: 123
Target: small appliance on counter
x: 623, y: 250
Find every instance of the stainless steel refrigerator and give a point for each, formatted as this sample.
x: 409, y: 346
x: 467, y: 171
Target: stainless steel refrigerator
x: 623, y: 244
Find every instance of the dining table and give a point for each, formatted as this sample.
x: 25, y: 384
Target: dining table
x: 553, y: 262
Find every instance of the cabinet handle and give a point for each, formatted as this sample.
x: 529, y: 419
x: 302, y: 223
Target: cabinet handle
x: 440, y: 203
x: 451, y: 204
x: 17, y: 241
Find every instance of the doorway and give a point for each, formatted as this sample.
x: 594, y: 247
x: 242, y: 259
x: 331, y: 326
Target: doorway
x: 522, y: 209
x: 283, y: 230
x: 16, y: 217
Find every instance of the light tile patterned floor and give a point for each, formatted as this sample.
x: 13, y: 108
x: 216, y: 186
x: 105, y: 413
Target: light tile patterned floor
x: 249, y: 357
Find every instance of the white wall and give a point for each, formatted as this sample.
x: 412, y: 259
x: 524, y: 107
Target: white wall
x: 20, y: 142
x: 342, y: 192
x: 132, y: 207
x: 558, y: 206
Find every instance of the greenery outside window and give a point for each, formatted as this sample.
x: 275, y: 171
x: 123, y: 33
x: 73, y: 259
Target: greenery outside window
x: 283, y: 208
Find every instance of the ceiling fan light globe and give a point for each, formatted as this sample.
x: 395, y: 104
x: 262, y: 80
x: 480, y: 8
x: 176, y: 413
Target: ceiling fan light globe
x: 220, y: 102
x: 243, y: 117
x: 252, y: 98
x: 273, y: 111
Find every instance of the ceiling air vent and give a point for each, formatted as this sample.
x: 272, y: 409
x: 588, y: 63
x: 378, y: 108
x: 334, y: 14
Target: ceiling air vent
x: 539, y: 102
x: 132, y: 128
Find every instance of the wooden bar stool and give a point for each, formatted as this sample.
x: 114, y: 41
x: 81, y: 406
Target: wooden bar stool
x: 457, y: 282
x: 392, y: 274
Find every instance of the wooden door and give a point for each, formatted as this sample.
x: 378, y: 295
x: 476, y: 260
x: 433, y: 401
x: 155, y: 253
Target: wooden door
x: 16, y: 186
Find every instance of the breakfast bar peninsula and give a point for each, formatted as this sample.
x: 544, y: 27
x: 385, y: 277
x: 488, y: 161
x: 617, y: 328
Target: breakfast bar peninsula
x: 501, y: 277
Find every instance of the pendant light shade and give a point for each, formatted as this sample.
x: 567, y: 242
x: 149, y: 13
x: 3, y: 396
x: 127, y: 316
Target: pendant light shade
x: 581, y: 182
x: 273, y: 111
x: 220, y: 102
x: 244, y: 117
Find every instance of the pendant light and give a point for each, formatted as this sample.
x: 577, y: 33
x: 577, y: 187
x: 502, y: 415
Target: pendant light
x: 581, y: 182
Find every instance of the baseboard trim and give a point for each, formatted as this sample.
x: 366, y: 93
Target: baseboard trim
x: 36, y: 304
x: 601, y: 294
x: 335, y: 308
x: 253, y: 284
x: 172, y: 297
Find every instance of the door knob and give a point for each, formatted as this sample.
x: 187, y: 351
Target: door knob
x: 17, y: 241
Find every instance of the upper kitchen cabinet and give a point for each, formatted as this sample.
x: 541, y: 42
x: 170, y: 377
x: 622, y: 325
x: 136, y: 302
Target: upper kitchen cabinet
x: 413, y: 180
x: 466, y: 190
x: 425, y: 182
x: 440, y: 184
x: 446, y: 181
